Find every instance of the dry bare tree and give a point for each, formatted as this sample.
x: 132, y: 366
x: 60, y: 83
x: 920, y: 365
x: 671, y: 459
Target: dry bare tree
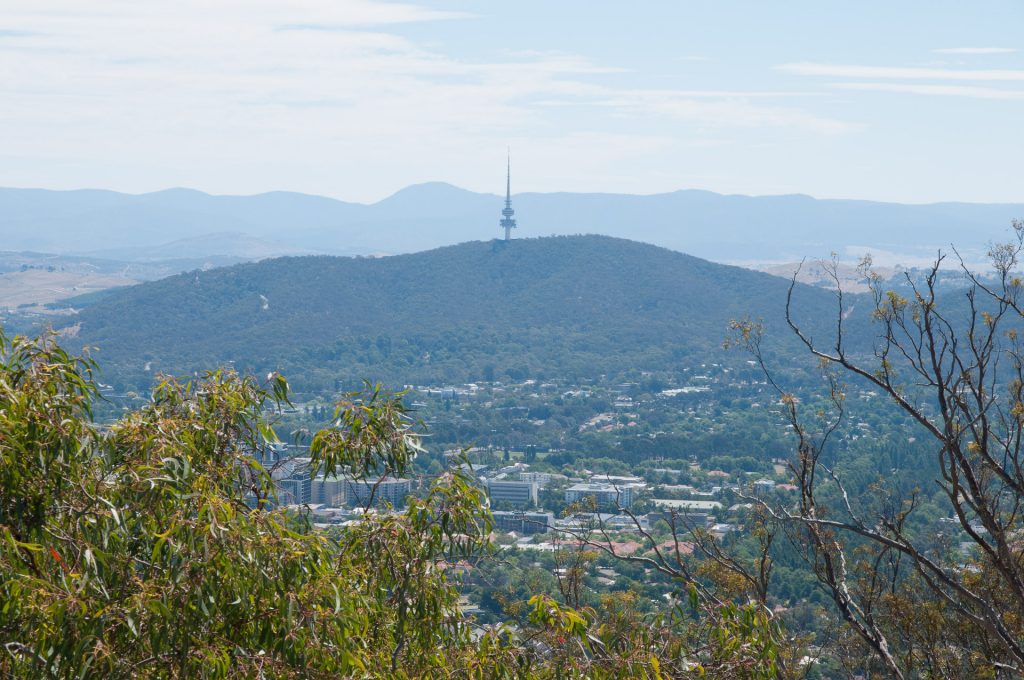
x: 954, y: 363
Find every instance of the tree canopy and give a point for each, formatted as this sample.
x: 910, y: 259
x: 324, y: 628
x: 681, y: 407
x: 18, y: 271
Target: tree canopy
x: 558, y: 307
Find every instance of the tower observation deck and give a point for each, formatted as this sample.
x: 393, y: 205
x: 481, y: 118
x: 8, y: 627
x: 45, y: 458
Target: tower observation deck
x: 508, y: 222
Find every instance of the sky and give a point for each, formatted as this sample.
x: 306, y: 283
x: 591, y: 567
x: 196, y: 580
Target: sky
x: 910, y: 101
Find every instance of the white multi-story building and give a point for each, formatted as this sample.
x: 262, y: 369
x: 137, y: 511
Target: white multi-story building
x: 620, y: 480
x: 391, y: 490
x: 518, y: 493
x: 606, y: 496
x: 295, y: 490
x: 541, y: 479
x: 329, y: 491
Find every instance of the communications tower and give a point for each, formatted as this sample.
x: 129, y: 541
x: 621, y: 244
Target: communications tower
x: 507, y: 222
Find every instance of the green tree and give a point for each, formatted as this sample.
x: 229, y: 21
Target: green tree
x: 150, y: 547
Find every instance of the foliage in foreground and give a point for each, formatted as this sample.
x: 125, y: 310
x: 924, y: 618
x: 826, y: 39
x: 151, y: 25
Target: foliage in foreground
x: 152, y: 548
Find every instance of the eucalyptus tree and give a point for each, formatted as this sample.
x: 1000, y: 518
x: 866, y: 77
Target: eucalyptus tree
x: 152, y: 547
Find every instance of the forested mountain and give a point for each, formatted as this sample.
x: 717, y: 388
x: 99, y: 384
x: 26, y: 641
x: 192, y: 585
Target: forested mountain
x: 722, y: 228
x: 560, y: 306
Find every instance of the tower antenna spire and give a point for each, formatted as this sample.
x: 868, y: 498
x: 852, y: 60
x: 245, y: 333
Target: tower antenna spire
x: 507, y: 222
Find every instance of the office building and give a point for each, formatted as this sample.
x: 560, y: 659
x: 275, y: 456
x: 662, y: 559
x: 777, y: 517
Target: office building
x: 390, y: 490
x: 606, y: 496
x: 516, y: 493
x: 523, y: 522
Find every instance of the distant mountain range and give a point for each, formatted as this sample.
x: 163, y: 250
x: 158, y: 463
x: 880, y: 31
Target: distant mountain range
x: 234, y: 245
x: 577, y: 307
x: 183, y: 223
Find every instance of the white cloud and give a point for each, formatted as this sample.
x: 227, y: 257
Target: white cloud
x: 311, y: 14
x: 722, y: 109
x: 971, y: 91
x: 900, y: 72
x: 976, y: 50
x: 195, y: 58
x: 286, y: 91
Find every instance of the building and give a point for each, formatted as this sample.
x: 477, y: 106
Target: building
x: 620, y: 481
x: 523, y: 522
x: 517, y: 493
x: 720, y: 530
x: 584, y: 521
x: 685, y: 519
x: 391, y: 490
x: 294, y: 486
x: 763, y: 487
x: 687, y: 506
x: 606, y: 496
x: 329, y: 491
x: 541, y: 478
x: 295, y: 490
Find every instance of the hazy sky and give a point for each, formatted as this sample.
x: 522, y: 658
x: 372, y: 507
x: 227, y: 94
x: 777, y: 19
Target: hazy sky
x: 907, y: 101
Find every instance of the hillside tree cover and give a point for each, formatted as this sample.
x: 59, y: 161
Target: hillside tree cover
x: 563, y: 307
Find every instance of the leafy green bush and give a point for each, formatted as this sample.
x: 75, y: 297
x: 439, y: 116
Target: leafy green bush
x: 149, y: 547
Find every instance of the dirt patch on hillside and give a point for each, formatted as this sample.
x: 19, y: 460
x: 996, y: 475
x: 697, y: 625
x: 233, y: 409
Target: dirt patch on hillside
x: 40, y: 287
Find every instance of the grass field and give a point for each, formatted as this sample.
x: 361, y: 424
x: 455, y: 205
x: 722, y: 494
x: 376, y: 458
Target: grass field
x: 36, y: 287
